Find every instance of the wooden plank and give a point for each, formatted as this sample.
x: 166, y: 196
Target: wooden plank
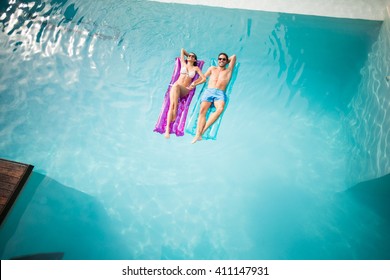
x: 5, y: 178
x: 12, y: 166
x: 13, y: 176
x: 12, y: 172
x: 7, y: 186
x: 5, y: 193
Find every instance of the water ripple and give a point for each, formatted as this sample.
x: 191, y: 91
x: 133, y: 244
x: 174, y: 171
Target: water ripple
x: 368, y: 119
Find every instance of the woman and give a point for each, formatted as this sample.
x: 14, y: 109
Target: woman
x: 183, y: 85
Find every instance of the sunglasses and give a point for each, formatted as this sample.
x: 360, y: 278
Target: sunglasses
x: 191, y: 55
x: 222, y: 58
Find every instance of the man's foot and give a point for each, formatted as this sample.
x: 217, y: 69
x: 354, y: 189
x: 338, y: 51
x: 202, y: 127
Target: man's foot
x: 196, y: 138
x: 167, y: 135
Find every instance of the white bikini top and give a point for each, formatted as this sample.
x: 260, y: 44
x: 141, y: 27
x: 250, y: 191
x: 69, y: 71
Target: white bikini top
x: 184, y: 70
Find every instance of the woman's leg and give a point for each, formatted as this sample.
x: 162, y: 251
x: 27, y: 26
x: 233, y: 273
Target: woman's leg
x: 175, y: 93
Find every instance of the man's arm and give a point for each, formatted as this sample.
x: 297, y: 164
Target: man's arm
x: 232, y: 62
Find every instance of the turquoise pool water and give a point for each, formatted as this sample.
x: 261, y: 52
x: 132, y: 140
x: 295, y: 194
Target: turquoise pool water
x: 81, y: 88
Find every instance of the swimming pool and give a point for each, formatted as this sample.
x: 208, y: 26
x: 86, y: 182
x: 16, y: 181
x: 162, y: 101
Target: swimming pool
x: 81, y: 88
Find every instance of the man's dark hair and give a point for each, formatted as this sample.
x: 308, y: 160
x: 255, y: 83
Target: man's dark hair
x: 227, y: 57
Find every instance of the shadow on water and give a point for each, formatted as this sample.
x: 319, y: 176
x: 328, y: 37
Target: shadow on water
x: 52, y: 221
x: 365, y: 218
x: 41, y: 256
x: 375, y: 194
x: 349, y: 225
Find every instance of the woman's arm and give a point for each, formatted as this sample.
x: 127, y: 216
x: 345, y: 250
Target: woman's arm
x: 202, y: 77
x: 182, y: 54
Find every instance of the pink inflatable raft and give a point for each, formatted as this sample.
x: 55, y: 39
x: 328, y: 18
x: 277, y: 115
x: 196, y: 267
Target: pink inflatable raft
x: 177, y: 127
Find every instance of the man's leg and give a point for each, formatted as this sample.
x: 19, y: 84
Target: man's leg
x: 204, y: 107
x: 219, y: 106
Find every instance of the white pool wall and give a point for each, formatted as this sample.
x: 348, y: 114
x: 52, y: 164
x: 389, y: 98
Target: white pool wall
x: 360, y: 9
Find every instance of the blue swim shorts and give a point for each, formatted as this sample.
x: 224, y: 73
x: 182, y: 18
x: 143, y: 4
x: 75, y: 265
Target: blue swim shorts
x: 213, y: 94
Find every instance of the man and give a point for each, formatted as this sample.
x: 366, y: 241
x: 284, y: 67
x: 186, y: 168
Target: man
x: 215, y: 93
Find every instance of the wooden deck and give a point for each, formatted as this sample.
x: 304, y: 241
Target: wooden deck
x: 13, y: 176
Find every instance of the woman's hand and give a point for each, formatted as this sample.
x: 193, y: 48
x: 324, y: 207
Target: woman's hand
x: 184, y: 52
x: 191, y: 86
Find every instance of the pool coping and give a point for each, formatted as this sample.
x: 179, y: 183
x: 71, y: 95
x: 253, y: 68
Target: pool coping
x: 374, y: 10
